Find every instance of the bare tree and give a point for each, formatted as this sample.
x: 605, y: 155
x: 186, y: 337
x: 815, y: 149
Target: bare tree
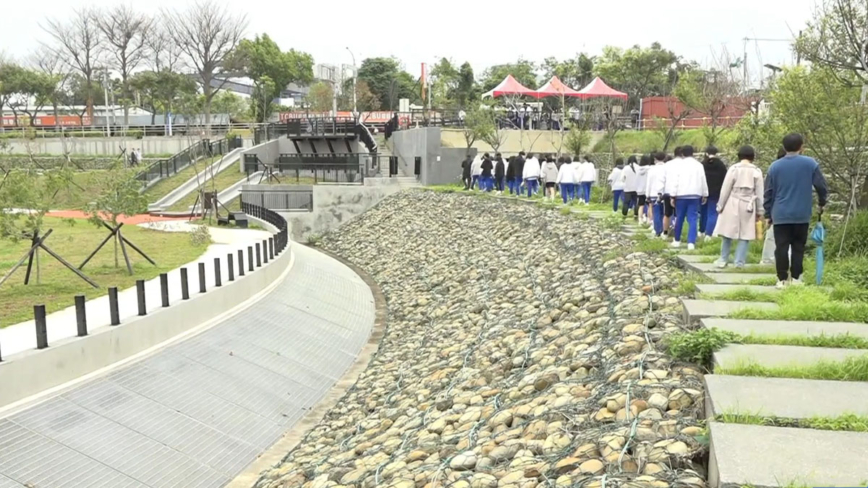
x: 124, y: 31
x: 164, y: 52
x: 48, y: 62
x: 206, y: 33
x: 79, y: 44
x: 711, y: 93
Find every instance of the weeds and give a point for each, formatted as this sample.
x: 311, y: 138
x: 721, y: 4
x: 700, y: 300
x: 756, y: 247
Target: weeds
x: 852, y: 369
x: 698, y: 346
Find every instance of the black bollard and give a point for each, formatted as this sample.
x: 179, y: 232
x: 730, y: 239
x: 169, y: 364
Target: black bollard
x: 258, y: 256
x: 113, y: 306
x: 271, y: 248
x: 249, y: 258
x: 241, y: 262
x: 264, y: 251
x: 80, y: 316
x: 164, y: 289
x: 201, y: 277
x: 41, y: 329
x: 185, y: 285
x: 217, y: 280
x: 230, y: 266
x: 140, y: 295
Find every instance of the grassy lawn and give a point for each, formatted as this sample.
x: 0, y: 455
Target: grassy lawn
x: 853, y: 369
x: 640, y: 142
x: 222, y: 180
x: 839, y: 304
x: 74, y: 243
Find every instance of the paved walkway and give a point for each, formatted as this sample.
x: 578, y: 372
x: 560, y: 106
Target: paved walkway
x: 197, y: 413
x: 61, y: 324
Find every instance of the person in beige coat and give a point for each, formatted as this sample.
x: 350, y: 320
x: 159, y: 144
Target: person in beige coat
x: 741, y: 199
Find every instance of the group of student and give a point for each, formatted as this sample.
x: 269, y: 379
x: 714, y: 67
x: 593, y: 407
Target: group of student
x: 665, y: 191
x: 527, y: 173
x: 726, y: 202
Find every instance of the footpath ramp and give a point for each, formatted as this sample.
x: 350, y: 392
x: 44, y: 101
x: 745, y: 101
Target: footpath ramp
x: 198, y: 412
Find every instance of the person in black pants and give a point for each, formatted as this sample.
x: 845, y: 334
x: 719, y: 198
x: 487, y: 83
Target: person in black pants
x: 499, y: 172
x: 465, y: 171
x: 788, y: 203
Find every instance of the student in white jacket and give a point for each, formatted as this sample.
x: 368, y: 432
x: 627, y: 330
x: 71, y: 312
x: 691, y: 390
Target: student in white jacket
x: 690, y: 190
x: 567, y: 180
x: 578, y: 167
x: 588, y: 178
x: 630, y: 178
x: 654, y: 192
x: 617, y: 183
x: 670, y: 178
x: 475, y: 171
x: 640, y: 211
x: 530, y: 174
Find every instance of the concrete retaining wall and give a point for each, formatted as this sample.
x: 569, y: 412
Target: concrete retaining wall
x: 335, y: 205
x: 105, y: 146
x: 32, y: 372
x: 440, y: 165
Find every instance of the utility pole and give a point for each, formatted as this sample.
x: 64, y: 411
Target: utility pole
x: 355, y: 108
x: 105, y: 82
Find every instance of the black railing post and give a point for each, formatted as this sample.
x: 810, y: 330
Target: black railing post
x: 41, y: 329
x: 201, y: 277
x: 140, y: 294
x: 230, y: 266
x: 80, y: 316
x: 258, y: 256
x: 185, y: 285
x: 217, y: 280
x: 241, y: 262
x: 164, y: 289
x: 271, y: 248
x: 114, y: 312
x: 250, y: 258
x: 264, y: 251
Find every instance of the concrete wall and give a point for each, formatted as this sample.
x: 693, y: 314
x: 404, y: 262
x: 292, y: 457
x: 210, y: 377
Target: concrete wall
x: 334, y: 205
x: 104, y: 146
x: 515, y: 141
x: 31, y: 372
x: 440, y: 164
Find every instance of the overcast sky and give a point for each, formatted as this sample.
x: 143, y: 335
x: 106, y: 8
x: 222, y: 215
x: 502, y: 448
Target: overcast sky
x: 483, y: 33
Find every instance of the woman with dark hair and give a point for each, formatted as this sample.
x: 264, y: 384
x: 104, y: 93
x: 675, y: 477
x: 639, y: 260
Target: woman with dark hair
x: 549, y: 174
x: 741, y: 198
x: 617, y: 183
x: 486, y: 178
x: 641, y: 210
x: 499, y: 172
x: 587, y: 178
x: 630, y: 177
x: 715, y: 172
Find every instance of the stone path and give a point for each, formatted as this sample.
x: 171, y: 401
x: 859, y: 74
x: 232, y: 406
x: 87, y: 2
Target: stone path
x: 767, y: 456
x: 197, y: 413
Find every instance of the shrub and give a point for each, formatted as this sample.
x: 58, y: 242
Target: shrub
x: 200, y: 236
x: 849, y: 238
x: 698, y: 346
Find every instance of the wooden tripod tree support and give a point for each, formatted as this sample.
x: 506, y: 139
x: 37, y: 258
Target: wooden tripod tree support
x: 116, y: 232
x: 38, y: 242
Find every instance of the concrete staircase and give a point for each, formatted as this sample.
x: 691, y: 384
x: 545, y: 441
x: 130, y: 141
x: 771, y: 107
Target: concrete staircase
x: 195, y: 181
x: 770, y: 456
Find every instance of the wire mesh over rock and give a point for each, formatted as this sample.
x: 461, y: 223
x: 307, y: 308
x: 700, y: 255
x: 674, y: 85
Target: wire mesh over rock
x: 514, y: 356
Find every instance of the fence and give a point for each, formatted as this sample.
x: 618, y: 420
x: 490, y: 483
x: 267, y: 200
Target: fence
x: 276, y: 198
x: 264, y: 252
x: 176, y: 163
x: 321, y: 126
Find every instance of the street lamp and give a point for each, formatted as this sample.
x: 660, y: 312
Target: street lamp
x: 355, y: 109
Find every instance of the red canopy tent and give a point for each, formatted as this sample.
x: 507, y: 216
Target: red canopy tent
x: 555, y: 88
x: 598, y: 88
x: 509, y: 86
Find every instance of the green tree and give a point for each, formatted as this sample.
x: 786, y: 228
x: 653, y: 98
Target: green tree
x: 709, y: 93
x: 443, y: 79
x: 824, y: 105
x: 160, y: 91
x: 522, y: 70
x: 119, y: 196
x: 575, y: 73
x: 478, y: 126
x: 28, y: 90
x: 639, y: 72
x: 387, y: 81
x: 466, y: 89
x: 837, y: 36
x: 270, y: 69
x: 320, y: 96
x: 579, y: 137
x: 365, y: 100
x: 230, y: 103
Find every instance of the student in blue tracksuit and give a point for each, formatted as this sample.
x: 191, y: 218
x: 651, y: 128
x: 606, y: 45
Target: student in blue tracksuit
x: 690, y: 190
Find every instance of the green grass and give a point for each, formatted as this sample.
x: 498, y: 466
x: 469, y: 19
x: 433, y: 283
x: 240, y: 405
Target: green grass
x: 852, y: 369
x: 743, y: 295
x: 809, y: 303
x: 166, y: 185
x: 845, y: 423
x: 687, y: 286
x: 767, y: 281
x: 58, y: 285
x: 636, y: 142
x: 698, y: 346
x: 844, y: 341
x: 221, y: 181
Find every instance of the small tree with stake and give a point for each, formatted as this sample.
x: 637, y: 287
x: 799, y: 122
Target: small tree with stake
x: 120, y: 197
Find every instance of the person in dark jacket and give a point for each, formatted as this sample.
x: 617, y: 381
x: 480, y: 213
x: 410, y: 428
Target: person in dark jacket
x: 516, y: 166
x: 465, y: 171
x: 486, y: 179
x: 715, y: 172
x: 499, y: 172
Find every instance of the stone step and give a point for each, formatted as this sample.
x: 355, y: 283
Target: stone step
x: 735, y: 278
x: 721, y: 289
x: 780, y: 356
x: 694, y: 310
x: 759, y: 456
x: 786, y: 327
x: 784, y: 397
x: 693, y: 258
x: 711, y: 268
